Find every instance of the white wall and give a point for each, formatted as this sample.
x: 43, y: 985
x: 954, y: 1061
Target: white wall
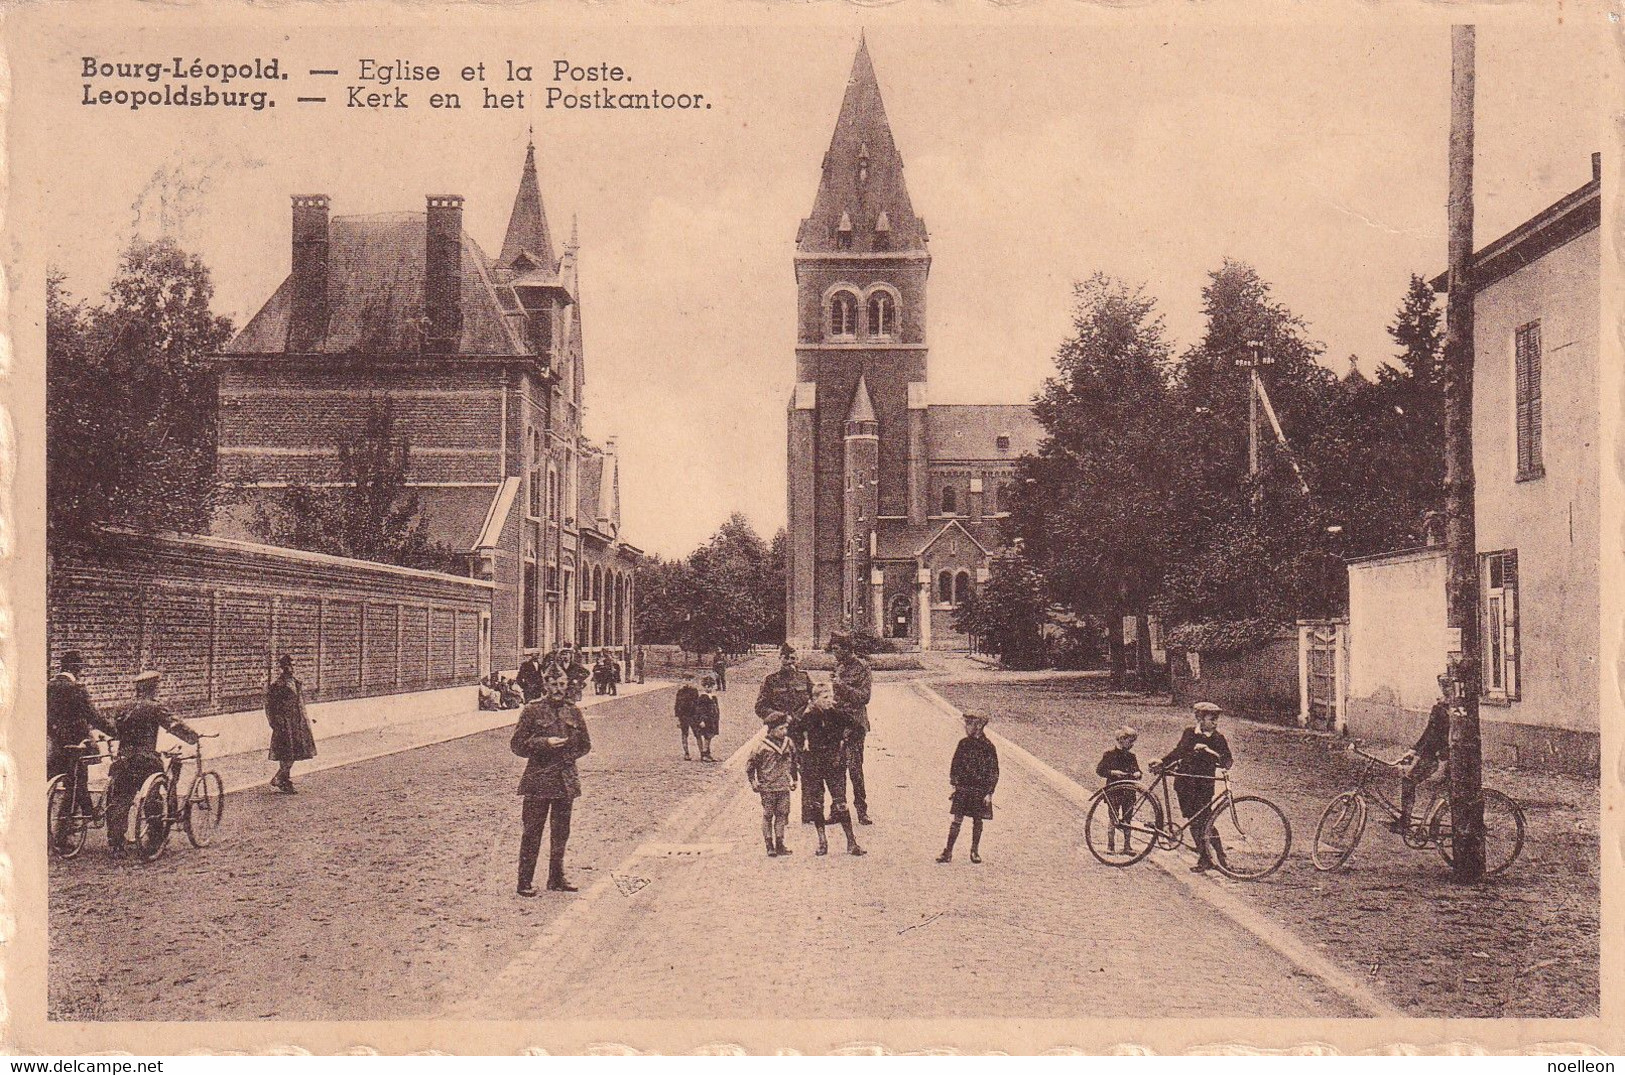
x: 1396, y: 634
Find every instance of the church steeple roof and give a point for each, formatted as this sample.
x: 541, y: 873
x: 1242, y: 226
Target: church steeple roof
x: 863, y: 408
x: 528, y: 235
x: 862, y: 179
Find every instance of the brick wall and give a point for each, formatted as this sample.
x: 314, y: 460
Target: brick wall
x: 213, y: 614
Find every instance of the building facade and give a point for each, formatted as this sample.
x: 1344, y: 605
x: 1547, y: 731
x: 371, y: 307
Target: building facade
x: 1537, y: 467
x: 482, y: 364
x: 893, y: 501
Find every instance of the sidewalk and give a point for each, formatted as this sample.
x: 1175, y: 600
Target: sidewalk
x: 252, y: 769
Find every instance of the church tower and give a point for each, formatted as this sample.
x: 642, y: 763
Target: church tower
x: 861, y: 265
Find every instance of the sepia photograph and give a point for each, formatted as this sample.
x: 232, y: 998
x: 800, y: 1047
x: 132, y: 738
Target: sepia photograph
x: 639, y: 528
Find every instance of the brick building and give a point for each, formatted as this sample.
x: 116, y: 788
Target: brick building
x: 894, y: 501
x: 482, y: 362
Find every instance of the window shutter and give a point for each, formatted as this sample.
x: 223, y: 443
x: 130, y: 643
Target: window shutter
x: 1527, y: 406
x: 1510, y: 623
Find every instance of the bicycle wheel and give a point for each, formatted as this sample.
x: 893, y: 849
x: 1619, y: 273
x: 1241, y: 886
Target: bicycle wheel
x: 1254, y: 837
x: 1339, y: 831
x: 1503, y: 831
x: 152, y: 817
x: 1127, y: 838
x: 205, y: 806
x: 65, y: 829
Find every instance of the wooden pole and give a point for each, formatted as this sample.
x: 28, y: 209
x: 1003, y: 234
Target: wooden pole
x: 1466, y: 750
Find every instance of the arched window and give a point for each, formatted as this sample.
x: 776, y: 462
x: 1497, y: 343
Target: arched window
x: 945, y: 587
x: 882, y: 314
x: 950, y: 500
x: 843, y: 315
x: 961, y: 587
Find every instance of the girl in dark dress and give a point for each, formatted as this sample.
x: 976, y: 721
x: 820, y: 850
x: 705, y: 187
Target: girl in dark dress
x: 974, y: 774
x: 707, y: 717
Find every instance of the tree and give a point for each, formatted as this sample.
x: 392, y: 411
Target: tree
x: 1007, y: 615
x: 130, y: 397
x: 372, y: 513
x: 731, y: 598
x: 665, y: 593
x: 1093, y: 511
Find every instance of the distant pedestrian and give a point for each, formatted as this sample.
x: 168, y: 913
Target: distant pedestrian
x: 552, y: 736
x: 772, y: 770
x: 974, y: 773
x: 614, y: 677
x: 707, y: 717
x: 530, y: 675
x: 637, y: 664
x: 852, y: 683
x: 574, y: 671
x: 821, y: 738
x: 138, y: 727
x: 291, y: 738
x: 719, y: 669
x: 688, y: 697
x: 1117, y: 766
x: 1194, y: 761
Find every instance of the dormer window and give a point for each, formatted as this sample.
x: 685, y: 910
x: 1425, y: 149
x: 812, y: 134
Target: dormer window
x: 843, y: 231
x: 863, y: 164
x: 843, y: 315
x: 882, y: 314
x: 1003, y: 442
x: 882, y: 232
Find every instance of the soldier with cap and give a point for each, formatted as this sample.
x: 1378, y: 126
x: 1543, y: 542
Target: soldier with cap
x: 291, y: 738
x: 852, y: 685
x: 552, y: 736
x: 70, y: 717
x: 138, y: 758
x: 787, y: 691
x: 575, y: 672
x: 1199, y: 754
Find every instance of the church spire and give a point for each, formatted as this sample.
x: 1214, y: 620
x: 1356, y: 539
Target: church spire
x: 528, y: 236
x: 863, y: 408
x: 862, y: 179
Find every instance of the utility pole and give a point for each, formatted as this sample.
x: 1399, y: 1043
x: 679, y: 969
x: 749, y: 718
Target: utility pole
x: 1461, y: 539
x: 1254, y: 388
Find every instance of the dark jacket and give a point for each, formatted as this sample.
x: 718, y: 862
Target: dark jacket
x: 291, y: 738
x: 707, y: 715
x: 975, y: 766
x: 789, y: 693
x: 551, y: 773
x: 1187, y: 759
x: 70, y: 714
x: 1435, y: 741
x: 687, y: 695
x: 138, y: 727
x: 821, y: 732
x: 530, y: 678
x: 852, y: 686
x: 1123, y: 761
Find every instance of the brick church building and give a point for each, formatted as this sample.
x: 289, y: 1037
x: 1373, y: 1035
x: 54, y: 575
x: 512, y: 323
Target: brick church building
x: 894, y: 501
x: 482, y: 362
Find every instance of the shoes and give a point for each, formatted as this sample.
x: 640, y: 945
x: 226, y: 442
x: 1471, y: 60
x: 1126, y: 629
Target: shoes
x: 772, y: 852
x: 1202, y: 867
x: 687, y: 756
x: 1399, y: 827
x: 976, y: 858
x: 946, y: 856
x: 854, y: 849
x: 527, y: 890
x: 561, y: 885
x: 823, y: 849
x: 781, y: 849
x: 863, y: 819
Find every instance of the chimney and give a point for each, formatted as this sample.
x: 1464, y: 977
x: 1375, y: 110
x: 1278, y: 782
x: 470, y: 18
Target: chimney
x: 308, y: 325
x: 1596, y: 166
x: 443, y: 274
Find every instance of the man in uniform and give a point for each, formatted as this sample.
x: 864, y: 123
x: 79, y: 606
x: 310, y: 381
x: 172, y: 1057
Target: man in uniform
x: 552, y: 736
x: 69, y: 717
x: 138, y: 728
x: 1201, y: 751
x: 852, y: 687
x: 529, y: 677
x: 787, y: 691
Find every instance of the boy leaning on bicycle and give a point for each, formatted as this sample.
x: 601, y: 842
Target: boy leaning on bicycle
x: 1201, y: 751
x: 1425, y: 757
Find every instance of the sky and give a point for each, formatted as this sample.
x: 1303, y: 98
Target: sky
x: 1149, y: 149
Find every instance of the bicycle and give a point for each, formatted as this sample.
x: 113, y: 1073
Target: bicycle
x: 157, y: 809
x: 1343, y: 822
x: 70, y: 817
x: 1253, y: 834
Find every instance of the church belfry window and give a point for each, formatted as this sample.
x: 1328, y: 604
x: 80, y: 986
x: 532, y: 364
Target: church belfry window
x: 843, y: 315
x: 950, y: 501
x: 882, y: 314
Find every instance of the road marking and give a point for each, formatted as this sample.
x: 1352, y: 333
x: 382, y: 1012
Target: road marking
x: 1280, y: 940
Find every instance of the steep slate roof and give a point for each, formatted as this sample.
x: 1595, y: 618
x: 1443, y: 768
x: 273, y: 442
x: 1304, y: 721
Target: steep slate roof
x: 863, y: 409
x: 528, y: 235
x: 862, y: 137
x: 972, y: 431
x: 375, y: 295
x: 589, y: 481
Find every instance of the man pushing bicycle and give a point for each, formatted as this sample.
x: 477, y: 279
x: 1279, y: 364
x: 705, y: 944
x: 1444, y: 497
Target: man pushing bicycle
x: 1202, y: 751
x: 138, y: 728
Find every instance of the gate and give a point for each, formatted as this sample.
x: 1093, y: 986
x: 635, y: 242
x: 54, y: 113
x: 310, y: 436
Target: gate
x: 1323, y: 668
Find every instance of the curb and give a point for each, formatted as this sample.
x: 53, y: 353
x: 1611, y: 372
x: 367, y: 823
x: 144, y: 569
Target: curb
x: 1271, y: 935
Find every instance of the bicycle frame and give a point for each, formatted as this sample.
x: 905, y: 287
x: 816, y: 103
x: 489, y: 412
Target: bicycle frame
x: 1175, y: 834
x: 1368, y: 789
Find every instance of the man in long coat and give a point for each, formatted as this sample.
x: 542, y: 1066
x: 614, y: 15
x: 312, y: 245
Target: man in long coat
x: 852, y: 687
x: 787, y: 691
x: 291, y: 738
x: 552, y: 735
x: 529, y: 677
x: 70, y: 716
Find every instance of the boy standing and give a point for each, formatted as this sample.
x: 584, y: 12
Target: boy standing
x: 687, y: 696
x: 772, y: 771
x: 1119, y: 764
x: 821, y: 738
x: 707, y: 717
x: 974, y: 774
x: 1199, y: 754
